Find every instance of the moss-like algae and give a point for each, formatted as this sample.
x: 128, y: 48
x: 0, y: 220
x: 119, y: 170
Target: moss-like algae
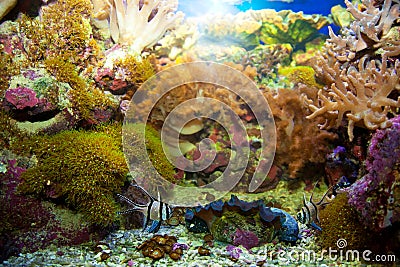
x: 84, y: 97
x: 340, y: 221
x: 63, y: 29
x: 84, y: 168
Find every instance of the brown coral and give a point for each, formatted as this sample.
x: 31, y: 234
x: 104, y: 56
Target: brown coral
x: 299, y: 141
x: 340, y: 221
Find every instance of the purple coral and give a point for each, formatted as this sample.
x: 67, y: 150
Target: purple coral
x: 179, y: 245
x: 373, y: 194
x: 234, y: 252
x: 21, y: 97
x: 247, y: 239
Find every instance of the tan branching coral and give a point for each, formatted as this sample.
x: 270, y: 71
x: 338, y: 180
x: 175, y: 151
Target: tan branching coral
x: 139, y: 23
x: 360, y: 69
x: 361, y: 95
x: 369, y: 30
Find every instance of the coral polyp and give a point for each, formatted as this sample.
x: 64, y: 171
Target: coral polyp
x: 82, y: 168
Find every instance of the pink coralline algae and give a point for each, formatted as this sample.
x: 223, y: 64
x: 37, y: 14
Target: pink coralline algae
x: 21, y: 97
x: 234, y: 252
x: 374, y: 194
x: 247, y: 239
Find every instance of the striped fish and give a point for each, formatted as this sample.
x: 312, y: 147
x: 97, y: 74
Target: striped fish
x: 154, y: 210
x: 308, y: 214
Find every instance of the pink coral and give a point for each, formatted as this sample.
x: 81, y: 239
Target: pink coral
x: 247, y: 239
x: 21, y: 97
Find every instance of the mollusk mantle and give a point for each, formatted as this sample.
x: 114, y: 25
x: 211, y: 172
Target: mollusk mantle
x: 265, y: 222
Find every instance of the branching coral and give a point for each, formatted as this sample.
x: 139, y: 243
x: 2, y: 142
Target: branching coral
x: 363, y: 96
x: 360, y: 69
x: 371, y: 27
x: 139, y: 23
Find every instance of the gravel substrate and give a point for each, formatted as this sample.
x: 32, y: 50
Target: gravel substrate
x: 120, y: 249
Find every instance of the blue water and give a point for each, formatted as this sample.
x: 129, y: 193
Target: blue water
x: 201, y: 7
x: 307, y: 6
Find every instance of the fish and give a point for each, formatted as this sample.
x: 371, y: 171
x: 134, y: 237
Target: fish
x: 308, y: 214
x: 154, y: 210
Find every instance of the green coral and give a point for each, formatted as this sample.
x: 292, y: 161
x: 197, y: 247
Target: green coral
x: 340, y: 220
x: 9, y: 133
x: 84, y: 97
x: 298, y: 34
x: 63, y: 29
x: 300, y: 74
x: 137, y: 132
x: 8, y: 68
x: 83, y: 167
x: 157, y: 155
x: 137, y: 70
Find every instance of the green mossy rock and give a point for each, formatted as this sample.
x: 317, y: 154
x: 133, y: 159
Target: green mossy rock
x: 83, y: 168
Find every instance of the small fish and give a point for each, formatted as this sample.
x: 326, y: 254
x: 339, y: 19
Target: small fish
x: 154, y: 210
x: 308, y: 214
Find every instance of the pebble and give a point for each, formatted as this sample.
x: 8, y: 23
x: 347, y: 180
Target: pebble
x: 121, y: 246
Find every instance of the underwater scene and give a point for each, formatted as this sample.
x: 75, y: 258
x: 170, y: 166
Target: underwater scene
x: 200, y: 133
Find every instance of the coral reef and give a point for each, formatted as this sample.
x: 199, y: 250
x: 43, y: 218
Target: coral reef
x: 139, y: 24
x: 35, y: 95
x: 300, y: 74
x: 54, y: 55
x: 179, y: 40
x: 126, y: 75
x: 299, y: 141
x: 21, y: 97
x: 82, y: 168
x: 63, y: 30
x: 29, y: 224
x: 376, y: 194
x: 341, y: 166
x: 360, y: 69
x: 154, y: 150
x: 265, y: 59
x: 248, y: 29
x: 243, y: 223
x: 89, y: 104
x: 9, y: 132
